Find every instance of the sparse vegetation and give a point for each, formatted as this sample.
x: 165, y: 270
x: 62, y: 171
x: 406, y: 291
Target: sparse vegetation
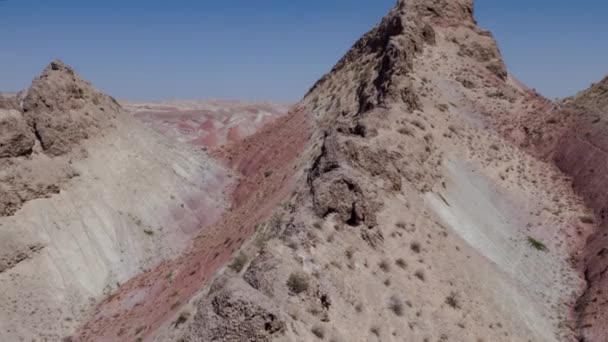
x: 149, y: 232
x: 552, y: 121
x: 270, y: 229
x: 539, y: 246
x: 419, y: 124
x: 292, y: 244
x: 444, y: 200
x: 420, y: 275
x: 349, y: 253
x: 176, y: 305
x: 297, y: 283
x: 238, y: 262
x: 396, y: 306
x: 452, y: 300
x: 401, y: 263
x: 384, y: 266
x: 415, y: 247
x: 183, y: 318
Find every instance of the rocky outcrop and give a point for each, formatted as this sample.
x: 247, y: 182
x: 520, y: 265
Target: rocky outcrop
x: 50, y: 119
x: 12, y: 255
x: 235, y: 312
x: 63, y: 109
x: 381, y: 60
x: 16, y: 136
x: 338, y: 179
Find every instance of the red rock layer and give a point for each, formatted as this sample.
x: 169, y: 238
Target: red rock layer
x: 266, y: 160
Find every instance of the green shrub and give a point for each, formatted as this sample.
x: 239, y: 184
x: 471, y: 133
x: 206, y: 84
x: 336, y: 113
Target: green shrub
x: 539, y: 246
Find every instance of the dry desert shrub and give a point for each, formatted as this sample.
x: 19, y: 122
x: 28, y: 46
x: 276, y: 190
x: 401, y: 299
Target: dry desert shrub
x: 297, y: 283
x: 452, y: 300
x: 396, y: 306
x: 238, y: 262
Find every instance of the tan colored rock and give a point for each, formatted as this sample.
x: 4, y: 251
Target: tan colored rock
x: 235, y: 312
x: 63, y: 109
x: 16, y: 136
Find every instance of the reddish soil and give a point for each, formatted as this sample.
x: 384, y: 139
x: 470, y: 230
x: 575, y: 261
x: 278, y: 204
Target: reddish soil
x: 266, y: 161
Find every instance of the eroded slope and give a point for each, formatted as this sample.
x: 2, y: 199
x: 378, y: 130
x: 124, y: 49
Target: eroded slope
x: 89, y: 198
x: 581, y: 150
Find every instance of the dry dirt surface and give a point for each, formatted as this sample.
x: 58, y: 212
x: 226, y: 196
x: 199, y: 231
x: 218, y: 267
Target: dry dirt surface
x: 418, y: 192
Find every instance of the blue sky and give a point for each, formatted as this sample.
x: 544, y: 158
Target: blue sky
x: 270, y: 49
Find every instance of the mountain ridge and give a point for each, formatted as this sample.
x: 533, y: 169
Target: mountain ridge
x: 416, y: 192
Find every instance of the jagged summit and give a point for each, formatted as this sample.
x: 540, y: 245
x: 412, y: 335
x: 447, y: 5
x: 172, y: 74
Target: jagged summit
x: 63, y: 109
x: 375, y: 72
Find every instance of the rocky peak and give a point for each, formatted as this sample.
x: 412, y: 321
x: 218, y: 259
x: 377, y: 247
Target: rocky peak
x: 63, y: 109
x: 379, y: 59
x: 383, y: 59
x: 60, y: 88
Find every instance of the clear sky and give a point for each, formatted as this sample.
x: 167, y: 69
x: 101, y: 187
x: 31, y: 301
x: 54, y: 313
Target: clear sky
x: 270, y: 49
